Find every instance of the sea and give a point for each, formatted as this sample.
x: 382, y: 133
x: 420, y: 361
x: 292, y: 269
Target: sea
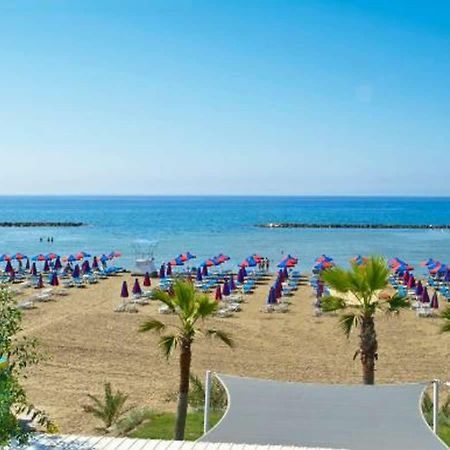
x: 206, y: 226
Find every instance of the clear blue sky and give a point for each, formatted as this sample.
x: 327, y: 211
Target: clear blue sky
x: 225, y: 97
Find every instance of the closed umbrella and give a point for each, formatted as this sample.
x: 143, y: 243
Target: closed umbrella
x: 271, y: 298
x: 240, y: 276
x: 94, y: 263
x: 434, y: 301
x: 232, y: 283
x: 46, y: 266
x: 411, y: 282
x: 162, y: 271
x: 204, y: 271
x: 226, y: 289
x: 425, y: 296
x: 27, y: 265
x: 169, y: 269
x: 33, y: 270
x: 419, y: 289
x: 199, y: 276
x: 40, y: 283
x: 58, y: 264
x: 147, y: 281
x: 124, y: 291
x: 218, y: 294
x: 137, y: 287
x: 54, y: 281
x: 9, y: 267
x: 76, y: 271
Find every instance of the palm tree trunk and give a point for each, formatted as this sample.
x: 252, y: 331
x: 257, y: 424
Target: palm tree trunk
x: 185, y: 368
x: 368, y: 349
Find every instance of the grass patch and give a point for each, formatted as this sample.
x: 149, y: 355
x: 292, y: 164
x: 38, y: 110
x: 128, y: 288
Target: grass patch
x: 161, y: 425
x: 444, y: 433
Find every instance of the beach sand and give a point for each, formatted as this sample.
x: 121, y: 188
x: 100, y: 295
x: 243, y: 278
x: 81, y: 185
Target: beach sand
x: 87, y: 344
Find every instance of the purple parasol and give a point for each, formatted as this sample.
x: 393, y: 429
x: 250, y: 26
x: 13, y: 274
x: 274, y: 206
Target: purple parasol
x: 232, y: 283
x: 162, y: 271
x: 419, y: 289
x: 218, y: 294
x: 76, y: 271
x: 425, y: 296
x: 124, y: 291
x: 226, y: 288
x: 169, y: 269
x: 46, y: 266
x: 199, y: 276
x: 137, y: 287
x: 434, y: 301
x: 33, y: 270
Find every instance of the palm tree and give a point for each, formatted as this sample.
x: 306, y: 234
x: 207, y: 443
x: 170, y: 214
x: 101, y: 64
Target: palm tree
x: 446, y: 316
x: 189, y: 307
x: 364, y: 283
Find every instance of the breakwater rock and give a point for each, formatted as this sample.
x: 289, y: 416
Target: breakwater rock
x: 375, y: 226
x: 41, y: 224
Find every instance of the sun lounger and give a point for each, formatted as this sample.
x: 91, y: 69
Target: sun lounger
x: 26, y: 304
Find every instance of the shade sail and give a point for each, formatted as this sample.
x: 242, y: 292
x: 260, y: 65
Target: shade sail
x: 314, y: 415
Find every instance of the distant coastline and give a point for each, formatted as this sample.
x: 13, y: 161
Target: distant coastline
x: 377, y: 226
x: 40, y: 224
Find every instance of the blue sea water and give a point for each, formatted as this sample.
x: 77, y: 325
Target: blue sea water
x: 210, y: 225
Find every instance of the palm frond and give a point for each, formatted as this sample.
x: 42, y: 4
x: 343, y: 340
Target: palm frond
x: 446, y: 313
x: 168, y: 344
x: 331, y: 303
x: 396, y: 303
x: 152, y: 325
x: 184, y: 297
x: 165, y: 298
x: 205, y: 306
x: 347, y: 322
x: 337, y: 279
x: 376, y: 273
x: 221, y: 335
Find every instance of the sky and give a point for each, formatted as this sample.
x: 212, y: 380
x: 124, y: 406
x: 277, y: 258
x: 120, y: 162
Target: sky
x: 238, y: 97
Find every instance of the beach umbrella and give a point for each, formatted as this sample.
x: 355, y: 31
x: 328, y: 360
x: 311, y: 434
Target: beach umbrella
x: 411, y: 282
x: 80, y: 255
x: 71, y: 258
x: 427, y: 262
x: 425, y: 296
x: 240, y: 275
x: 447, y: 276
x: 114, y: 254
x: 5, y: 257
x: 244, y: 271
x: 40, y: 283
x: 226, y: 289
x: 223, y: 258
x: 124, y: 290
x: 19, y: 256
x: 147, y: 281
x: 58, y: 264
x: 434, y: 301
x: 162, y: 271
x: 218, y: 294
x: 94, y: 263
x: 51, y: 256
x: 54, y: 280
x: 271, y: 298
x: 9, y: 267
x: 46, y: 266
x: 232, y: 283
x: 278, y: 289
x: 199, y: 276
x: 27, y: 265
x: 33, y: 270
x: 137, y: 287
x: 39, y: 257
x: 406, y: 277
x: 169, y: 269
x: 208, y: 263
x: 187, y: 256
x: 419, y: 289
x: 76, y: 271
x: 85, y: 267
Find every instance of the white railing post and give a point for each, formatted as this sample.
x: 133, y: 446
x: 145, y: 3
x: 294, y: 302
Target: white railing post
x: 207, y: 401
x: 435, y: 405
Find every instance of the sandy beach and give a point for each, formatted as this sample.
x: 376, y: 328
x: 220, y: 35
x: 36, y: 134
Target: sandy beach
x: 87, y: 344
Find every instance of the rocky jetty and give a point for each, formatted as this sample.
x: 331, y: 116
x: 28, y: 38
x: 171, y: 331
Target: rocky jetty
x: 41, y: 224
x: 376, y: 226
